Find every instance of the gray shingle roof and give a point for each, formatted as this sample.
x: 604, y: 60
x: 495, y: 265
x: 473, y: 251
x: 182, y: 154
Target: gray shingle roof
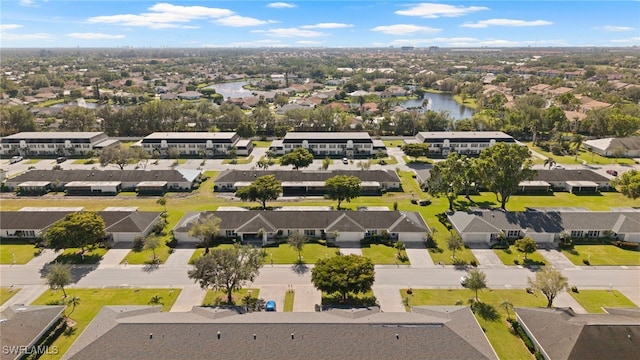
x: 66, y: 176
x: 115, y: 221
x: 321, y: 335
x: 25, y: 324
x: 569, y: 175
x: 299, y: 136
x: 329, y: 220
x: 233, y: 176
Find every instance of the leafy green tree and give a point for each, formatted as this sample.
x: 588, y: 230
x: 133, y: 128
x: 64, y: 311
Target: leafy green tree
x: 263, y: 189
x: 454, y: 243
x: 76, y: 118
x: 58, y: 276
x: 506, y: 305
x: 264, y: 163
x: 416, y: 150
x: 152, y: 243
x: 530, y: 107
x: 550, y: 282
x: 298, y: 240
x: 446, y: 178
x: 206, y: 229
x: 526, y: 245
x: 343, y: 188
x: 476, y: 280
x: 299, y: 158
x: 504, y: 166
x: 117, y: 155
x: 550, y: 162
x: 343, y: 274
x: 325, y: 163
x: 162, y: 201
x: 227, y: 269
x: 623, y: 125
x: 469, y: 175
x: 628, y: 184
x: 76, y: 230
x: 246, y: 129
x: 14, y: 119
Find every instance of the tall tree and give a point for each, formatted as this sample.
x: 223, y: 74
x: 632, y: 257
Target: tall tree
x: 153, y: 242
x: 531, y: 107
x: 476, y: 280
x: 504, y: 166
x: 76, y: 230
x: 343, y: 188
x: 550, y: 162
x: 343, y: 274
x: 14, y: 119
x: 628, y: 184
x: 454, y: 243
x: 526, y: 245
x: 298, y: 240
x: 506, y: 305
x: 162, y: 201
x: 445, y: 178
x: 299, y: 158
x: 74, y: 301
x: 206, y: 229
x: 58, y: 276
x: 550, y: 282
x: 78, y: 119
x: 263, y: 189
x: 227, y: 269
x: 416, y: 150
x: 118, y: 155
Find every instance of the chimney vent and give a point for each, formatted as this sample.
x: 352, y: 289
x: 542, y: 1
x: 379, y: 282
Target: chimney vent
x: 218, y: 335
x: 151, y: 336
x: 292, y: 336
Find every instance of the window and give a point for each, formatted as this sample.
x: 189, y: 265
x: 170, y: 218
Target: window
x: 310, y: 232
x: 230, y: 233
x: 372, y: 232
x: 513, y: 233
x: 576, y: 233
x: 593, y: 233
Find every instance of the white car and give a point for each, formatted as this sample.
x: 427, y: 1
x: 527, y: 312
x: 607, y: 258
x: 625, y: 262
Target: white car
x: 559, y: 167
x: 15, y: 159
x: 345, y: 161
x: 463, y: 280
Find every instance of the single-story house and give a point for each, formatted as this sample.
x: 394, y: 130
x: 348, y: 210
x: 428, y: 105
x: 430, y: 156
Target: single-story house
x: 615, y: 147
x: 484, y: 226
x: 309, y: 182
x: 574, y: 181
x: 122, y: 226
x: 264, y: 227
x: 560, y: 333
x: 22, y: 329
x: 101, y: 182
x: 143, y: 332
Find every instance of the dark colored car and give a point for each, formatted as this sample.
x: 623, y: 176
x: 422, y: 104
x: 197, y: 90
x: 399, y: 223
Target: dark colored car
x: 612, y: 172
x: 61, y: 159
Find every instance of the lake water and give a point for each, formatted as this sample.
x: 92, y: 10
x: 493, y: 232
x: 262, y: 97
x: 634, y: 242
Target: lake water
x: 437, y: 102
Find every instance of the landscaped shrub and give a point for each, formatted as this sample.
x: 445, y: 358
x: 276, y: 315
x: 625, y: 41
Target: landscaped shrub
x: 138, y: 243
x: 574, y: 289
x: 586, y: 261
x: 473, y: 263
x: 627, y: 245
x: 525, y: 338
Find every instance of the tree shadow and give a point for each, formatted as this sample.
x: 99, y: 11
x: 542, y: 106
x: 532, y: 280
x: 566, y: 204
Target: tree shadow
x: 336, y: 301
x: 300, y: 268
x: 78, y: 259
x: 149, y: 268
x: 485, y: 311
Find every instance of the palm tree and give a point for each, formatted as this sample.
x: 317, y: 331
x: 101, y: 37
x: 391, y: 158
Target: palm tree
x: 73, y: 301
x: 506, y: 305
x: 550, y: 162
x: 162, y: 201
x: 576, y: 144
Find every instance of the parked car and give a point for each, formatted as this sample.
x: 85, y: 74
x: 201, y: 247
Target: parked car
x: 15, y: 159
x: 612, y: 172
x: 345, y: 161
x: 463, y: 280
x: 559, y: 167
x: 61, y: 159
x: 271, y: 306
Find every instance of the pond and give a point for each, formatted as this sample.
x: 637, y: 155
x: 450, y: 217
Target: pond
x: 436, y: 103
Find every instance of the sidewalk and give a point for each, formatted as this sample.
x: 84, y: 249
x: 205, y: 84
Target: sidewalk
x: 565, y: 300
x: 419, y: 257
x: 350, y: 248
x: 190, y: 296
x: 45, y: 257
x: 26, y: 295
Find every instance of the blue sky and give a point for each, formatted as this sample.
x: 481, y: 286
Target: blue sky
x: 307, y: 23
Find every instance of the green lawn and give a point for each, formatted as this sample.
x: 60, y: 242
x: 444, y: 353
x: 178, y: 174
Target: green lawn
x: 200, y: 251
x: 512, y: 254
x: 17, y: 253
x: 92, y: 301
x: 219, y: 297
x: 288, y: 301
x: 239, y: 160
x: 362, y: 299
x: 602, y: 255
x: 261, y: 144
x: 31, y: 161
x: 74, y: 256
x: 285, y: 254
x: 393, y: 143
x: 391, y: 160
x: 384, y: 255
x: 7, y: 293
x: 594, y: 300
x: 143, y: 257
x: 590, y: 158
x: 506, y: 344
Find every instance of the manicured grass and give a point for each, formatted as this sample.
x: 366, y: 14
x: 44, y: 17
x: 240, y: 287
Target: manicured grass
x: 74, y: 256
x: 86, y: 161
x: 468, y: 102
x: 512, y: 254
x: 239, y: 160
x: 7, y: 293
x: 391, y: 160
x: 362, y: 299
x: 602, y: 255
x: 92, y: 301
x: 594, y: 300
x: 409, y: 183
x: 506, y: 344
x: 31, y: 161
x: 393, y: 143
x: 288, y: 301
x: 200, y: 251
x: 17, y: 253
x: 384, y: 255
x: 219, y: 297
x: 416, y: 160
x: 601, y: 202
x: 261, y: 144
x: 285, y: 254
x: 582, y: 156
x: 143, y: 257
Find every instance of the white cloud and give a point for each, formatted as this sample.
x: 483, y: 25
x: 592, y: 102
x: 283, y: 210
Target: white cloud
x: 405, y: 29
x: 632, y: 40
x: 36, y: 36
x: 240, y: 21
x: 281, y: 5
x: 308, y: 42
x: 27, y: 3
x: 255, y: 43
x: 289, y: 32
x: 5, y: 27
x: 163, y: 16
x: 327, y: 26
x: 505, y: 22
x: 94, y: 36
x: 431, y: 10
x: 614, y: 28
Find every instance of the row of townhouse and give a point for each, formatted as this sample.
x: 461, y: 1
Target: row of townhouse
x: 463, y: 142
x: 341, y: 144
